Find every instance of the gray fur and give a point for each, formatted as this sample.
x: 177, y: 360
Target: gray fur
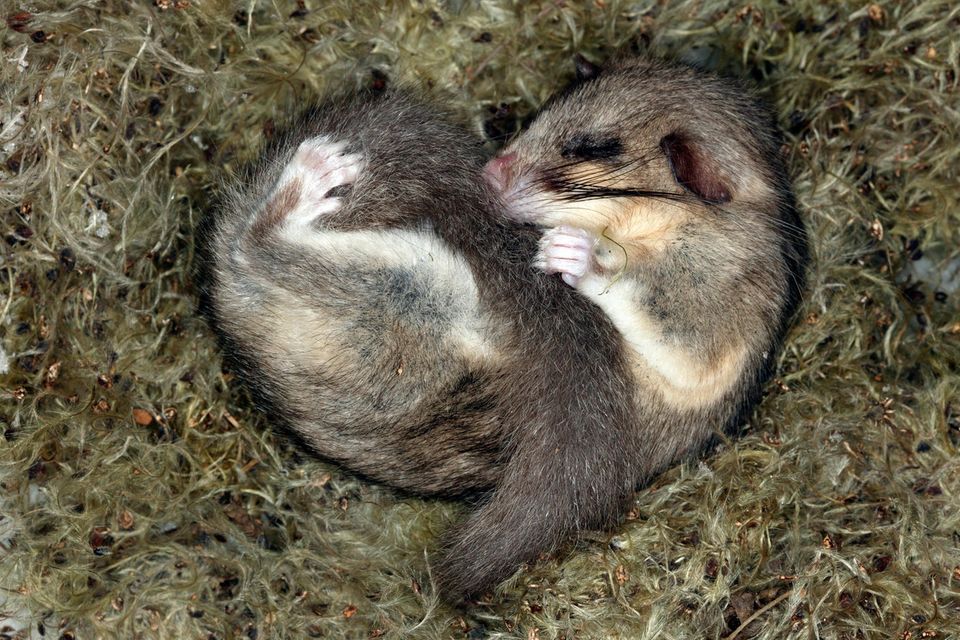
x: 548, y: 419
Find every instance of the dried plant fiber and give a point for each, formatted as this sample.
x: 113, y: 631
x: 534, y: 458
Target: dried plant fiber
x: 143, y: 496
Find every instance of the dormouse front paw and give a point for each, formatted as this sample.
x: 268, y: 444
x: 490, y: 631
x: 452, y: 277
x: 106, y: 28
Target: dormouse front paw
x: 568, y: 251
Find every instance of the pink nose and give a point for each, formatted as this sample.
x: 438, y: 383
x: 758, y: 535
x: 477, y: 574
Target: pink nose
x: 499, y: 171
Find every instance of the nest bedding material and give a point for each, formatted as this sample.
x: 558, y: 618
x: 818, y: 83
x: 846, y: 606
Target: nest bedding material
x: 144, y: 497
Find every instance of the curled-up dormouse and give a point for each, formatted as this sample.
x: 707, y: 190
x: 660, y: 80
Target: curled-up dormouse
x: 546, y: 330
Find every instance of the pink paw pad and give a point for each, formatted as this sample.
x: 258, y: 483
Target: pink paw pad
x: 322, y: 165
x: 567, y: 251
x: 318, y: 166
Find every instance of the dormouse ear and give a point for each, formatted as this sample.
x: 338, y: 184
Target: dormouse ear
x: 693, y: 169
x: 585, y: 69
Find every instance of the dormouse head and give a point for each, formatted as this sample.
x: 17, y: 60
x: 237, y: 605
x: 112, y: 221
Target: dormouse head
x: 640, y: 147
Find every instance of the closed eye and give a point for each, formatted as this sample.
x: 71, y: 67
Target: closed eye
x: 587, y: 147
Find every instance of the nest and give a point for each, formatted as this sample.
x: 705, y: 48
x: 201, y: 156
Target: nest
x: 144, y: 497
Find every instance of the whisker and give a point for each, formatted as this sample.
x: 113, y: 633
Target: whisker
x: 578, y: 180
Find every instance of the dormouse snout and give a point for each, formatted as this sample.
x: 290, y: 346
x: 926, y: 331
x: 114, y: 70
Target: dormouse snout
x: 499, y: 171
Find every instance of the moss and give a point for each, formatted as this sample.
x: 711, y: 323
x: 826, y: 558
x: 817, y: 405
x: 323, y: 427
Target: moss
x: 144, y: 497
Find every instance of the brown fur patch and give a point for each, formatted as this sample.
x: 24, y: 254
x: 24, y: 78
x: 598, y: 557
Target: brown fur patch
x: 630, y: 232
x: 280, y: 205
x: 646, y: 228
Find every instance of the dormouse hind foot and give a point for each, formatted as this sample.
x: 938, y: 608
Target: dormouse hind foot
x: 318, y: 166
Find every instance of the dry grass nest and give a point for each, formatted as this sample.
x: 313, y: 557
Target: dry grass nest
x: 143, y: 497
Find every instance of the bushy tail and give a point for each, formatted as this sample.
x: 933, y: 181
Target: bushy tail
x: 563, y: 477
